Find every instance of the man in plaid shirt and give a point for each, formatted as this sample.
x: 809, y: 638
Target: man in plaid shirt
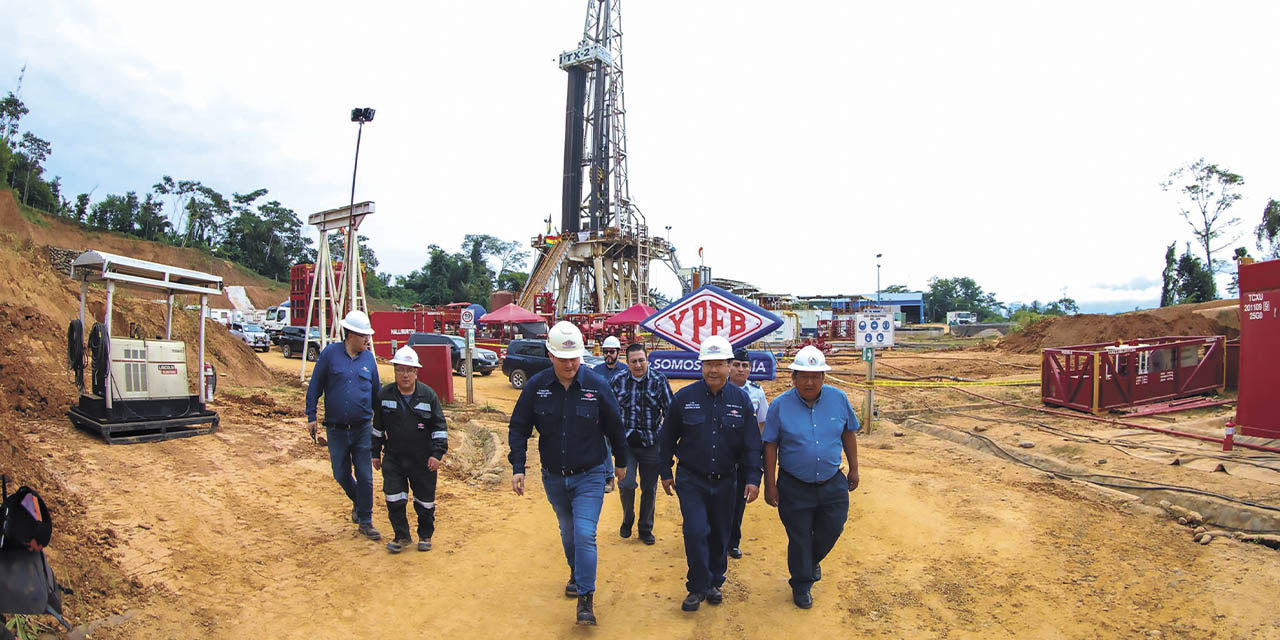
x: 643, y: 397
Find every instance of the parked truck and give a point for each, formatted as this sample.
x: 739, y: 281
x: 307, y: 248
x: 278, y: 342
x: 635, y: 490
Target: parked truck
x: 277, y: 319
x: 961, y: 317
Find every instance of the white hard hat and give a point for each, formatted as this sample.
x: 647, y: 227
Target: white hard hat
x: 565, y: 340
x: 715, y: 348
x: 407, y: 357
x: 357, y: 322
x: 611, y: 343
x: 809, y: 358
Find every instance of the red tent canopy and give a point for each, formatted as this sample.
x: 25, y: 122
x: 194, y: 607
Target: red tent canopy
x: 510, y: 313
x: 632, y: 315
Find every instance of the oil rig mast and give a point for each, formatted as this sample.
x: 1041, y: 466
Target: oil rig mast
x: 599, y: 261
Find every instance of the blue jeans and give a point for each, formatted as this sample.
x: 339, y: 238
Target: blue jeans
x: 707, y: 508
x: 577, y: 501
x: 351, y: 448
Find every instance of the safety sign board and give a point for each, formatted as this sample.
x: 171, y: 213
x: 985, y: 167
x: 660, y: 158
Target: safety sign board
x: 468, y: 320
x: 875, y: 329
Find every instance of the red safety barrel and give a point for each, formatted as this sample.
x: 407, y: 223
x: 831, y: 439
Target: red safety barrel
x: 437, y: 369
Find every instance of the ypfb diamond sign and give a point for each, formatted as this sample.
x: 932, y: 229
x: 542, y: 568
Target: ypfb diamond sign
x: 711, y: 311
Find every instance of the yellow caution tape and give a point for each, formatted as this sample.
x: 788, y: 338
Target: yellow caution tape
x: 939, y: 384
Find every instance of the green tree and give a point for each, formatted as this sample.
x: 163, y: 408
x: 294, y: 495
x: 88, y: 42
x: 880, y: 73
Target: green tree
x: 179, y: 193
x: 206, y: 212
x: 959, y: 294
x: 1195, y: 281
x: 82, y: 207
x: 1209, y: 191
x: 11, y: 111
x: 895, y: 288
x: 36, y: 151
x: 1233, y: 287
x: 149, y: 220
x: 1268, y: 231
x: 513, y: 281
x: 1169, y: 277
x: 510, y: 255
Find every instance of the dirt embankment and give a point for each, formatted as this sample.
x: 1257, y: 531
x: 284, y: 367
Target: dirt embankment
x: 52, y: 232
x: 1094, y: 328
x: 36, y: 305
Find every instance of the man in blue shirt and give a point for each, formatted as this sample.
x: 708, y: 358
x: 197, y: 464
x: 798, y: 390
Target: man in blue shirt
x: 643, y: 396
x: 739, y: 375
x: 711, y: 428
x: 806, y: 430
x: 574, y: 411
x: 610, y: 369
x: 346, y: 374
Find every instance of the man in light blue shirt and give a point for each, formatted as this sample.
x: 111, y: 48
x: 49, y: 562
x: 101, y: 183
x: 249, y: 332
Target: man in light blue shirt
x: 805, y: 431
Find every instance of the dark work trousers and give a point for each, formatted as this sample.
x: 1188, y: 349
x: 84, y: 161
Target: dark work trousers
x: 642, y: 461
x: 399, y: 473
x: 814, y: 516
x: 707, y: 508
x: 739, y: 508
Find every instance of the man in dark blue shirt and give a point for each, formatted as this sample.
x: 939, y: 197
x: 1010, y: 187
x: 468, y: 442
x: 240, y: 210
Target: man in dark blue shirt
x: 574, y: 411
x: 643, y: 396
x: 808, y: 428
x: 346, y: 374
x: 711, y: 427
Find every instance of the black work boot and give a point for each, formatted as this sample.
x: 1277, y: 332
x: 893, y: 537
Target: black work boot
x: 693, y: 600
x: 628, y: 497
x: 397, y: 514
x: 571, y: 589
x: 586, y: 614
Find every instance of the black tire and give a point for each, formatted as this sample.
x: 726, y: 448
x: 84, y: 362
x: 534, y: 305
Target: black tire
x: 518, y: 378
x: 286, y: 349
x: 313, y: 353
x: 486, y: 372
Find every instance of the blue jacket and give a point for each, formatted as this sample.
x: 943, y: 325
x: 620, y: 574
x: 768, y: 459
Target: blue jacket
x: 711, y: 433
x: 349, y: 385
x: 572, y: 423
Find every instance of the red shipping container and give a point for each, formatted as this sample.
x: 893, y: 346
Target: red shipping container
x: 437, y: 369
x: 1258, y: 406
x: 391, y: 330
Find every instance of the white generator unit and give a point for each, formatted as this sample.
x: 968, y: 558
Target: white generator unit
x: 148, y: 369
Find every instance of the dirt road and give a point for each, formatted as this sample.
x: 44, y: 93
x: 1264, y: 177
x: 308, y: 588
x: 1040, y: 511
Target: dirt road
x: 244, y: 534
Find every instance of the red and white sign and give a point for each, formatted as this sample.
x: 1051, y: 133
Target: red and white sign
x: 711, y: 311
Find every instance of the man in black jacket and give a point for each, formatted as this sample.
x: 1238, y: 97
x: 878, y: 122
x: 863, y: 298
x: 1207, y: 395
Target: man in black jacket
x: 409, y: 424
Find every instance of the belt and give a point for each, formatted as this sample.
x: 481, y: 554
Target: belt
x: 573, y: 472
x: 711, y: 477
x: 343, y: 425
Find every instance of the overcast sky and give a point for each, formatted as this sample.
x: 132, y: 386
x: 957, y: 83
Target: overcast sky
x: 1018, y: 143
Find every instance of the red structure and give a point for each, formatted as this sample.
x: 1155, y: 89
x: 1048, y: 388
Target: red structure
x: 437, y: 369
x: 1109, y: 376
x: 1258, y: 409
x: 391, y: 329
x: 301, y: 277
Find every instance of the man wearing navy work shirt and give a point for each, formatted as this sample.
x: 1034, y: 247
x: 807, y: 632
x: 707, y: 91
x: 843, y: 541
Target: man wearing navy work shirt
x: 806, y: 430
x: 609, y: 369
x: 347, y: 375
x: 712, y: 429
x: 574, y: 411
x: 739, y: 375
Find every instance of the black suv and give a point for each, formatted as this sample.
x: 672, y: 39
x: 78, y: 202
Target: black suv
x: 527, y: 357
x: 483, y: 361
x: 291, y: 343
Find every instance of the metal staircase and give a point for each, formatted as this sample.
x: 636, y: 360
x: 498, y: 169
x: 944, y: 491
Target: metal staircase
x: 542, y: 273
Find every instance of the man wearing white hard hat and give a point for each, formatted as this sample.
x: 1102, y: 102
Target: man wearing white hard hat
x: 410, y: 439
x: 804, y: 434
x: 346, y: 374
x: 609, y: 370
x: 711, y: 427
x: 574, y: 411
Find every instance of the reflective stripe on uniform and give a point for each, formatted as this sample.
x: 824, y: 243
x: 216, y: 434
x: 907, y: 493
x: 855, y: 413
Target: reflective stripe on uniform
x: 398, y: 497
x: 440, y: 434
x: 425, y: 505
x: 377, y: 434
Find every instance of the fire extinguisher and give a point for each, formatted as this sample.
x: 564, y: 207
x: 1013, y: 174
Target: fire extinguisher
x: 210, y: 381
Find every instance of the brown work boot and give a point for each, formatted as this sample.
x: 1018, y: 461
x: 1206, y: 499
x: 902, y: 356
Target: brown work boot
x: 398, y: 545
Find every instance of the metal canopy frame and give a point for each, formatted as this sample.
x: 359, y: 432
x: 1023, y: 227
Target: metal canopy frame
x: 100, y: 266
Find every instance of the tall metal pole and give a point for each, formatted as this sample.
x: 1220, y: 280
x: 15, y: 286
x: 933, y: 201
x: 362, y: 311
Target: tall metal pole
x: 351, y: 230
x: 878, y: 279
